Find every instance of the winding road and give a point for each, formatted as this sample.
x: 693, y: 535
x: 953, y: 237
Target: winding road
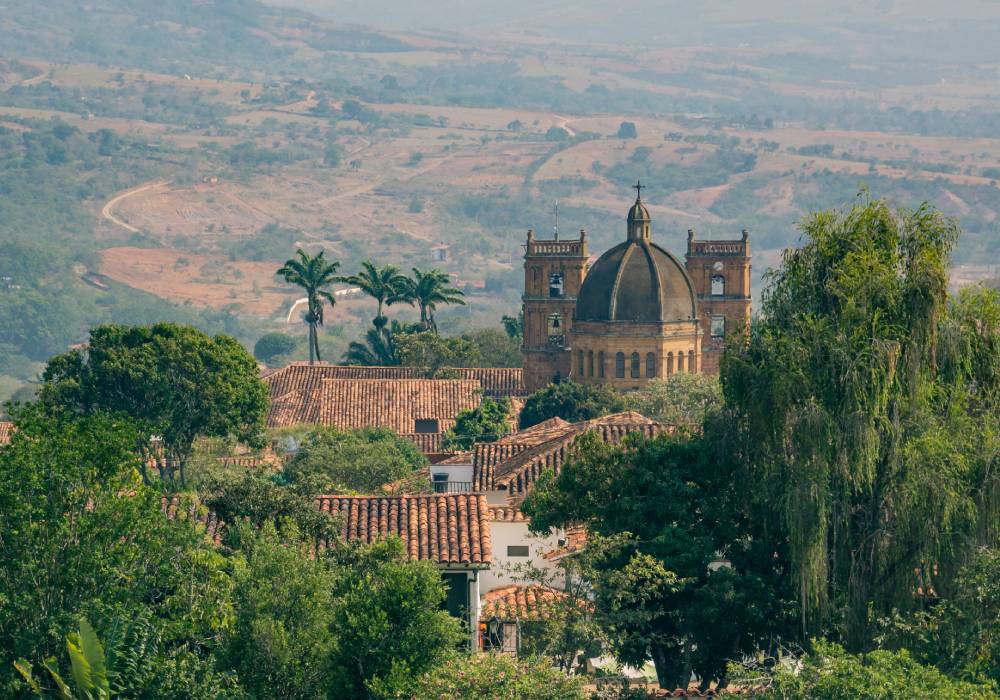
x: 108, y: 210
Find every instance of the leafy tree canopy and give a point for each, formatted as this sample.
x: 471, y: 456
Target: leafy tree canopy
x: 488, y: 422
x: 352, y: 461
x: 570, y: 401
x: 498, y: 677
x: 176, y: 382
x: 681, y: 399
x: 865, y: 405
x: 271, y: 347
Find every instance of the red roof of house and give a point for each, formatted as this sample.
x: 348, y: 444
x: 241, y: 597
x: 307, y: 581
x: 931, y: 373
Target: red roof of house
x: 373, y: 403
x: 177, y: 508
x: 518, y: 471
x: 495, y: 381
x: 444, y: 528
x: 6, y: 431
x: 507, y: 514
x: 518, y: 602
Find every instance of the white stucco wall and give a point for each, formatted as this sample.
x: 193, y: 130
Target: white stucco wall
x: 455, y: 472
x: 504, y: 534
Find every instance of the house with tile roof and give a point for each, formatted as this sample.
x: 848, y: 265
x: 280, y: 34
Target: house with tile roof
x: 398, y: 398
x: 451, y: 530
x: 6, y: 431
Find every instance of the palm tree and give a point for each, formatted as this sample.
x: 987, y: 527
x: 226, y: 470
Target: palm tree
x: 313, y: 274
x: 428, y: 289
x: 386, y: 285
x: 378, y: 350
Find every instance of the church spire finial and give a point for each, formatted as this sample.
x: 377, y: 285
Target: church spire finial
x: 638, y: 187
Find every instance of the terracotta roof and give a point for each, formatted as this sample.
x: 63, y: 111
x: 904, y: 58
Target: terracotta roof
x: 507, y: 514
x: 487, y: 455
x: 6, y: 431
x: 575, y: 540
x: 495, y: 381
x: 518, y: 602
x: 250, y: 461
x: 370, y: 403
x: 176, y: 508
x: 457, y: 458
x: 517, y: 471
x: 444, y: 528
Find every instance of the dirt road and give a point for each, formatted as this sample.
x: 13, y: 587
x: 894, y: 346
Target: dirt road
x: 108, y: 210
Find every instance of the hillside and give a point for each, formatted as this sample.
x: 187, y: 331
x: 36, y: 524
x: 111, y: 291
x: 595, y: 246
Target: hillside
x: 197, y: 145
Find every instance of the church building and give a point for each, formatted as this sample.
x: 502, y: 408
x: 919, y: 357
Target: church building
x: 637, y: 313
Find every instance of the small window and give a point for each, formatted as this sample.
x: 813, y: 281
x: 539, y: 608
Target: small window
x: 517, y: 550
x: 691, y: 364
x: 440, y: 483
x: 670, y: 363
x: 718, y: 326
x: 718, y: 286
x: 635, y: 365
x: 680, y: 361
x: 590, y: 363
x: 556, y: 285
x: 426, y: 425
x: 650, y: 365
x: 620, y: 365
x: 600, y: 363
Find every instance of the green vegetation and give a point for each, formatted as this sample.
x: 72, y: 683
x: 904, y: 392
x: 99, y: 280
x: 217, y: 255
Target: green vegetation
x: 427, y: 290
x: 274, y: 348
x: 488, y: 422
x: 313, y: 274
x: 498, y: 677
x: 570, y: 401
x: 354, y: 461
x: 174, y: 382
x: 684, y: 400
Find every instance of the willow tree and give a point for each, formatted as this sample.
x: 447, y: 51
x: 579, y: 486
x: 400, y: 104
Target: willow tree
x: 865, y: 402
x: 312, y: 273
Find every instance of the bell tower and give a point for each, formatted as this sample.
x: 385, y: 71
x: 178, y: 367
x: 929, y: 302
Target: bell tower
x: 720, y: 272
x: 553, y: 273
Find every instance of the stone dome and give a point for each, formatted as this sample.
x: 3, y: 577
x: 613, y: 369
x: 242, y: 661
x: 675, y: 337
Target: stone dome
x: 637, y: 281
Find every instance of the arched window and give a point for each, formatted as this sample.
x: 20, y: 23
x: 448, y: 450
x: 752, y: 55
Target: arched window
x: 680, y: 362
x: 590, y: 363
x: 620, y: 365
x: 718, y: 286
x: 556, y: 284
x: 635, y: 365
x: 691, y: 365
x: 600, y: 363
x: 650, y: 365
x: 670, y: 363
x: 579, y: 363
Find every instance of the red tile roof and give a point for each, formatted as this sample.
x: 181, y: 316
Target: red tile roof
x: 507, y: 514
x: 488, y: 454
x: 518, y: 602
x: 495, y: 381
x: 6, y: 431
x: 177, y: 508
x: 517, y: 473
x: 370, y: 403
x: 444, y: 528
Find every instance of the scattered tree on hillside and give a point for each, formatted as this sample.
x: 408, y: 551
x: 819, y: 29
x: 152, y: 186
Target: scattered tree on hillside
x: 570, y: 401
x: 378, y: 348
x: 313, y: 274
x: 175, y: 383
x: 627, y: 130
x: 273, y: 346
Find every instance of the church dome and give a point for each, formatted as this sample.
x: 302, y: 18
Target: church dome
x: 636, y: 280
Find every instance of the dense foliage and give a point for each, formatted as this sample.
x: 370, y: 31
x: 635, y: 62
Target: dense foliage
x: 681, y: 399
x: 570, y: 401
x: 175, y: 382
x: 865, y: 405
x: 353, y: 461
x: 497, y: 677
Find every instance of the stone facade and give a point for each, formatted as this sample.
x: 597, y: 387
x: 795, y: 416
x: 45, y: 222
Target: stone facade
x: 720, y: 271
x: 637, y: 314
x: 553, y: 273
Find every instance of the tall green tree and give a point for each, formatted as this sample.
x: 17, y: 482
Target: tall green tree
x: 313, y: 273
x: 864, y: 412
x: 428, y: 289
x: 80, y: 534
x: 570, y: 401
x: 673, y: 580
x: 175, y: 382
x: 386, y: 285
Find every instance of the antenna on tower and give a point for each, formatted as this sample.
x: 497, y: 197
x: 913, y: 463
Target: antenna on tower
x: 555, y: 226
